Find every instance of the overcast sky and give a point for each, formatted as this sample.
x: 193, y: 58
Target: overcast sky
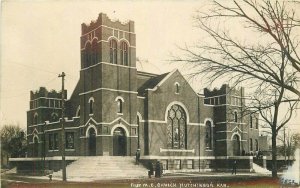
x: 40, y: 39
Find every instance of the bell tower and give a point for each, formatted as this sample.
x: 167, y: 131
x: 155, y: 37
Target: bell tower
x: 108, y: 73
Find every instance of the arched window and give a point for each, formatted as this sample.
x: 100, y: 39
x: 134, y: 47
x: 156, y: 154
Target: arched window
x: 256, y: 145
x: 91, y: 104
x: 120, y: 106
x: 113, y: 52
x: 124, y: 53
x: 251, y: 144
x: 251, y: 121
x: 208, y: 135
x: 176, y: 129
x: 177, y: 86
x: 35, y: 119
x: 235, y: 117
x: 54, y: 117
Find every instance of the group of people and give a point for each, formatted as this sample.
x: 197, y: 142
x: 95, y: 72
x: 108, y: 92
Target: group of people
x: 158, y: 169
x: 158, y: 165
x: 257, y: 154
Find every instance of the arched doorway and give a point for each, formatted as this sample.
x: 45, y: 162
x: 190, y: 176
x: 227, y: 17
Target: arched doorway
x: 236, y: 145
x: 119, y: 142
x: 92, y: 142
x: 35, y: 147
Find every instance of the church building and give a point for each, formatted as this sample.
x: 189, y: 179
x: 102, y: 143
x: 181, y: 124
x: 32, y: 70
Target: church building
x: 116, y: 109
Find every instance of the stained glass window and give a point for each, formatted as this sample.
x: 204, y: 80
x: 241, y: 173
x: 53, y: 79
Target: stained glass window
x: 176, y: 128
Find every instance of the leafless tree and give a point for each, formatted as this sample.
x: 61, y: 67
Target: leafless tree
x: 268, y: 64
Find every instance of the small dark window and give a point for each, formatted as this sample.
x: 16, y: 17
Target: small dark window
x: 235, y: 117
x: 251, y: 121
x: 177, y: 88
x: 206, y: 101
x: 91, y: 106
x: 119, y: 103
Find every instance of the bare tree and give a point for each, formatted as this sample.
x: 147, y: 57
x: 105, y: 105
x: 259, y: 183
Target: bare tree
x: 269, y: 65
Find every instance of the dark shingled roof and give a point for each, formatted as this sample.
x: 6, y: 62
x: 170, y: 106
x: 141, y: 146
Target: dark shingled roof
x: 151, y: 83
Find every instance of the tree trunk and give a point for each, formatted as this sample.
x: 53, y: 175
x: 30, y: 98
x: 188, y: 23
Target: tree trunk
x: 274, y: 152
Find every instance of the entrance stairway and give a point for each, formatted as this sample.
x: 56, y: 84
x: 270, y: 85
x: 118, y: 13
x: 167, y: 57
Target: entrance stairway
x: 102, y: 168
x: 260, y: 170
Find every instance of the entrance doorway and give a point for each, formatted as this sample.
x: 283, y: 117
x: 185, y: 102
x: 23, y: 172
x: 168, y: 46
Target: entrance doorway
x: 119, y: 142
x: 236, y: 145
x: 92, y: 142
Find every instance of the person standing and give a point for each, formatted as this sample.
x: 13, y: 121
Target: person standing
x: 137, y: 156
x: 150, y: 172
x: 157, y: 169
x: 234, y: 167
x: 161, y: 170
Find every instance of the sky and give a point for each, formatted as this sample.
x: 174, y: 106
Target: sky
x: 40, y: 39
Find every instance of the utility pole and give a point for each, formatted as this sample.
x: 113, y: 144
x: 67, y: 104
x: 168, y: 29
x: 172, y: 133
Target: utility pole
x: 64, y: 171
x: 284, y: 146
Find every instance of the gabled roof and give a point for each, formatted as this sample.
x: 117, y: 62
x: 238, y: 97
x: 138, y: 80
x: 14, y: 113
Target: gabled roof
x: 151, y: 83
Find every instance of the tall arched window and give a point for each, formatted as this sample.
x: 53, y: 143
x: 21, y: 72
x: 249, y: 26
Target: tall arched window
x: 235, y: 117
x: 91, y: 105
x: 120, y: 106
x: 176, y: 129
x: 208, y: 135
x: 124, y: 53
x: 251, y: 144
x: 251, y: 121
x: 94, y: 56
x: 113, y: 52
x: 88, y: 55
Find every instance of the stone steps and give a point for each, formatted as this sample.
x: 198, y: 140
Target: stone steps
x: 99, y: 168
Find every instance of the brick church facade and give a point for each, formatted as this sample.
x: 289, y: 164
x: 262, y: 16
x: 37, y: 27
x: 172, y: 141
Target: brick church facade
x: 116, y: 109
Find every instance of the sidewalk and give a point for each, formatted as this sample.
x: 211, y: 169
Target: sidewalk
x: 213, y: 179
x: 175, y: 175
